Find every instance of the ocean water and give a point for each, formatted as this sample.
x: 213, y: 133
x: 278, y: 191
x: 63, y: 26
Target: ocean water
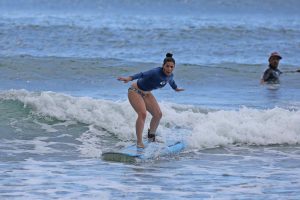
x: 61, y: 104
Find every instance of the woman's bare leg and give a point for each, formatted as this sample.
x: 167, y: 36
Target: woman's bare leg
x: 138, y: 104
x: 154, y: 109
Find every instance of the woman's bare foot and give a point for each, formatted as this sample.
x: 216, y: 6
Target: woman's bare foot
x: 140, y: 145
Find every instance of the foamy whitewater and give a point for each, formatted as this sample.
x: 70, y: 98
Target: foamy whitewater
x: 61, y: 104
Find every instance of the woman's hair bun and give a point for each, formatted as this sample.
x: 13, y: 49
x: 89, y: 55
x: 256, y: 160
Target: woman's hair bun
x: 169, y: 58
x: 169, y: 55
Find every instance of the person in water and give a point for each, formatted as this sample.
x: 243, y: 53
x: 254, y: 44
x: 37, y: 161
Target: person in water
x: 271, y: 75
x: 142, y: 100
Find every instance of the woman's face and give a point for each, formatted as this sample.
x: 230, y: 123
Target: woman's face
x: 274, y: 61
x: 168, y: 68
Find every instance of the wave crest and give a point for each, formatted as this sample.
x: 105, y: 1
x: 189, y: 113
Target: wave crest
x: 198, y: 127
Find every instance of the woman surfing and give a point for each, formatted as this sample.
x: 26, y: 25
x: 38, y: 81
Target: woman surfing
x: 142, y: 100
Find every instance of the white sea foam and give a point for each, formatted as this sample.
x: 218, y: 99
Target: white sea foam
x: 199, y: 128
x: 115, y: 117
x: 91, y: 143
x: 246, y: 126
x: 68, y: 178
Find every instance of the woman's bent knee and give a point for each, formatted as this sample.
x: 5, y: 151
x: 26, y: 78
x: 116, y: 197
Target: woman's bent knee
x: 158, y: 115
x: 142, y: 115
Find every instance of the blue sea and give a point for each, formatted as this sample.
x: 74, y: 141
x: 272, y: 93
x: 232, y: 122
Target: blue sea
x: 61, y: 104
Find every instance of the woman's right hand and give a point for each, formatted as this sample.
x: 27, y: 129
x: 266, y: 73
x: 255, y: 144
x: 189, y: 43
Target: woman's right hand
x: 125, y: 79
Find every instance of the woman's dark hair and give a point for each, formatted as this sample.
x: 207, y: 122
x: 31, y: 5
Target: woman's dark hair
x: 169, y: 58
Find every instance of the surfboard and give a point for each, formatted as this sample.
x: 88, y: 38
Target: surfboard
x: 132, y: 154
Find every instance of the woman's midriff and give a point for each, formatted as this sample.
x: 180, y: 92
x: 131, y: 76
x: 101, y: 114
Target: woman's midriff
x: 134, y: 87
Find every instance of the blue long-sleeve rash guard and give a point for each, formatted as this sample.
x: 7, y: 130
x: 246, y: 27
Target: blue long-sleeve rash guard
x: 153, y: 79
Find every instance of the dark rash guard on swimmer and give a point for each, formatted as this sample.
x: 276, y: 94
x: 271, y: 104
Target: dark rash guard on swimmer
x: 271, y: 75
x: 153, y: 79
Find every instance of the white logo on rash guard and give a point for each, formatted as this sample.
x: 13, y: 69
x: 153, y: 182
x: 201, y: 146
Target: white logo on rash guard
x: 163, y: 83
